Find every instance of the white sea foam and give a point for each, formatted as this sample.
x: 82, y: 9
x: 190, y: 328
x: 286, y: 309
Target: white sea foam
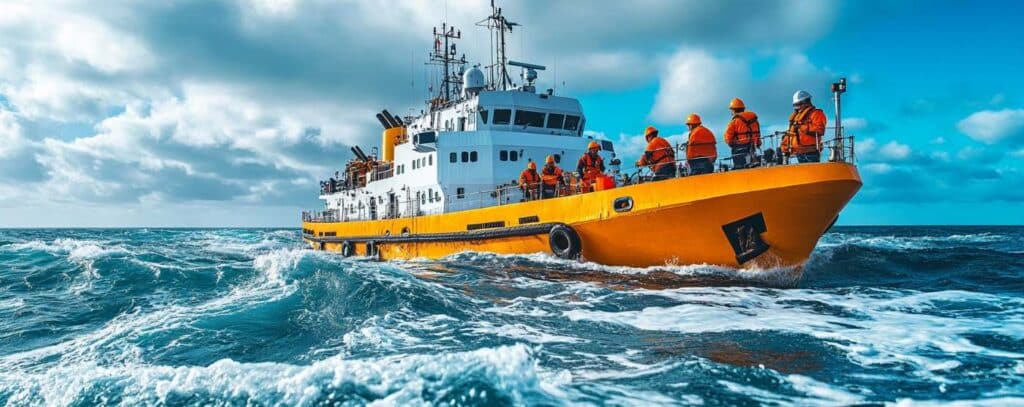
x: 519, y: 331
x: 877, y: 329
x: 892, y: 242
x: 394, y: 380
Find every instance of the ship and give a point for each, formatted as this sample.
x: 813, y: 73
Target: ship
x: 445, y: 181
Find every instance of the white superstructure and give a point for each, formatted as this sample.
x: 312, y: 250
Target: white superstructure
x: 468, y: 148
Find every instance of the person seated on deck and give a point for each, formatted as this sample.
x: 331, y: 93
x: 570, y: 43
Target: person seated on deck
x: 806, y: 128
x: 743, y: 135
x: 551, y: 178
x: 700, y: 147
x: 529, y: 182
x: 658, y: 156
x: 590, y: 166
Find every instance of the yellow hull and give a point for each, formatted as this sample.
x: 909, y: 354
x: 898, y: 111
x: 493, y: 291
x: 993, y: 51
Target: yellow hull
x: 767, y: 217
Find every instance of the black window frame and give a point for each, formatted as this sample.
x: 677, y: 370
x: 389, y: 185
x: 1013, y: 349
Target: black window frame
x: 473, y: 156
x: 575, y: 120
x: 483, y: 116
x: 465, y: 156
x: 502, y: 112
x: 503, y: 155
x: 551, y: 119
x: 558, y: 158
x: 453, y: 157
x: 529, y: 118
x: 513, y: 155
x: 460, y: 192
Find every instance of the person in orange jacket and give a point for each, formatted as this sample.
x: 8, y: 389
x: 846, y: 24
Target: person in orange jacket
x: 658, y: 155
x: 700, y: 147
x: 806, y: 128
x: 529, y: 182
x: 550, y: 178
x: 590, y: 166
x: 743, y: 134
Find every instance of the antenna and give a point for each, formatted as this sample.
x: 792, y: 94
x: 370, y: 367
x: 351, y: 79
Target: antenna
x: 498, y: 25
x: 445, y: 55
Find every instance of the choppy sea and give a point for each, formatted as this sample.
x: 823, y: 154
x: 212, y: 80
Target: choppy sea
x: 915, y: 315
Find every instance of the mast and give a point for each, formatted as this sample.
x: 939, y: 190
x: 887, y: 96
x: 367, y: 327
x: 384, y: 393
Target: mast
x: 444, y: 55
x: 498, y: 25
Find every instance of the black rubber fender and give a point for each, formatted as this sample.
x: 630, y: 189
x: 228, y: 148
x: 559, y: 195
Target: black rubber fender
x: 371, y: 249
x: 565, y: 242
x: 347, y: 249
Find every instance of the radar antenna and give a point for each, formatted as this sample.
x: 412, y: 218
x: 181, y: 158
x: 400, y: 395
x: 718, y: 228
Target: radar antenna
x: 498, y: 25
x: 444, y: 55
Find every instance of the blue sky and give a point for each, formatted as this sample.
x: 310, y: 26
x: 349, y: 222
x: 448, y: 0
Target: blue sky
x: 225, y: 113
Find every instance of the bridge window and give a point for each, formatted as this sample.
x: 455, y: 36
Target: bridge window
x: 572, y: 122
x: 483, y: 116
x: 558, y: 158
x: 503, y: 155
x: 529, y: 118
x: 502, y: 116
x: 607, y: 146
x: 460, y: 192
x: 555, y: 120
x: 513, y: 155
x: 430, y: 159
x: 465, y: 156
x: 472, y: 156
x: 453, y: 157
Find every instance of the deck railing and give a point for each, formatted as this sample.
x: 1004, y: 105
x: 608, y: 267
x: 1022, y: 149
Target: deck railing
x: 837, y: 149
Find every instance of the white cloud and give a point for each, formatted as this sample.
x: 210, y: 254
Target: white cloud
x: 894, y: 151
x: 696, y: 81
x: 992, y: 127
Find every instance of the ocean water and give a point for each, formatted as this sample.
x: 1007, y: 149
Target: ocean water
x: 911, y: 315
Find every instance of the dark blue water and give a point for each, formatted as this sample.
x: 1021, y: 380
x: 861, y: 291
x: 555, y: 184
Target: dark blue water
x: 236, y: 317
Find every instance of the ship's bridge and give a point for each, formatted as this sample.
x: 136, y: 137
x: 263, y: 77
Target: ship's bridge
x: 516, y: 110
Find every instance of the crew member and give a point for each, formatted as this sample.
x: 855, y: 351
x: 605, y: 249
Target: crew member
x: 590, y: 166
x: 551, y: 178
x: 700, y: 147
x: 658, y: 156
x: 743, y: 134
x: 529, y: 182
x: 806, y: 128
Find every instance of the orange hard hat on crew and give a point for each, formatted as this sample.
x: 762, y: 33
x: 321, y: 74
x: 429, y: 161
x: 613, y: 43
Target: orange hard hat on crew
x: 658, y: 155
x: 593, y: 145
x: 532, y: 165
x: 737, y: 103
x: 700, y: 147
x: 743, y: 134
x: 806, y: 128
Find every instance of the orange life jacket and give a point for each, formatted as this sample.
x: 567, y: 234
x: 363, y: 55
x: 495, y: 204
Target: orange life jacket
x: 701, y: 144
x: 806, y: 128
x: 590, y: 167
x: 744, y: 129
x: 551, y: 175
x: 529, y: 178
x: 658, y: 154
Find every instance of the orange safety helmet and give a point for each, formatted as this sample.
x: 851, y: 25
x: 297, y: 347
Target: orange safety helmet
x: 549, y: 160
x: 649, y: 132
x: 737, y: 103
x: 593, y: 145
x: 693, y: 119
x: 532, y: 165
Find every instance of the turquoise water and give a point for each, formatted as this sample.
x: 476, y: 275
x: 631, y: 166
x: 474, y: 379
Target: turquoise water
x: 249, y: 317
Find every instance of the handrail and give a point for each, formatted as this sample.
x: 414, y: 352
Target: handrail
x: 840, y: 150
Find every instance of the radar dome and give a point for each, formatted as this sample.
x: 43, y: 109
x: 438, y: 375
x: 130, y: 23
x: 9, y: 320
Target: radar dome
x: 473, y: 81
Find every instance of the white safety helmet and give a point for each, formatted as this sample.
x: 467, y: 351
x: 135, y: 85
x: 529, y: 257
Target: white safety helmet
x: 800, y: 96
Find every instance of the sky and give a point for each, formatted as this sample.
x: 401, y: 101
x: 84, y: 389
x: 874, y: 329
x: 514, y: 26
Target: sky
x: 228, y: 112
